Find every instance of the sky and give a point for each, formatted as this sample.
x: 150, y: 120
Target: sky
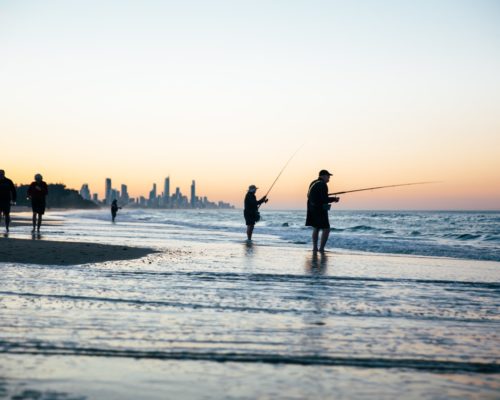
x: 224, y: 92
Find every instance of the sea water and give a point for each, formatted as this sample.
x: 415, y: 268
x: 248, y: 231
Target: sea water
x: 456, y: 234
x: 404, y: 304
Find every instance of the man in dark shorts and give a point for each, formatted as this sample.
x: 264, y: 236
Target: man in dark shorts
x: 8, y: 196
x: 318, y: 204
x: 251, y: 212
x: 37, y: 192
x: 114, y: 209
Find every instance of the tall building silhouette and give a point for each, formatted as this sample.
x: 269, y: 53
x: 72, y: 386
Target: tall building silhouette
x: 108, y: 190
x: 85, y: 191
x: 166, y: 188
x: 124, y: 195
x: 152, y: 193
x: 193, y: 194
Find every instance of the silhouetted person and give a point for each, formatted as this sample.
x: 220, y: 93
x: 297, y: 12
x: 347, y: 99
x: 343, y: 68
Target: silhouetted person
x: 114, y: 209
x: 37, y: 192
x: 251, y: 211
x: 318, y: 204
x: 8, y: 196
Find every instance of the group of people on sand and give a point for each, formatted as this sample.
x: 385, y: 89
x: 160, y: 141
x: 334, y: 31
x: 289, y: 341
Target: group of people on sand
x: 37, y: 192
x: 318, y: 205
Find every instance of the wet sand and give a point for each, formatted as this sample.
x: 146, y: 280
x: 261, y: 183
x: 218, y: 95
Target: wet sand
x: 48, y: 252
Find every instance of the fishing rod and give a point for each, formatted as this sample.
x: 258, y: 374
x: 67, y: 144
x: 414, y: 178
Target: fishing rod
x: 380, y: 187
x: 282, y: 169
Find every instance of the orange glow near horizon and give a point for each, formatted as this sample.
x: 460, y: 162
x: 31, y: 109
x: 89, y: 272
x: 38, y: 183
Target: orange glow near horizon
x: 213, y: 100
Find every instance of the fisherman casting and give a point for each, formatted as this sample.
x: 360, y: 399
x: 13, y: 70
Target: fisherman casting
x: 318, y: 204
x: 251, y: 212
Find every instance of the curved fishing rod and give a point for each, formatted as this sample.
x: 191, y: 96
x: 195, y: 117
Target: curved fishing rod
x: 282, y: 169
x: 380, y: 187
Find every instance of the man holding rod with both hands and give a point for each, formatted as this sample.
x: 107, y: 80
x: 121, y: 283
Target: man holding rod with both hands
x: 318, y: 204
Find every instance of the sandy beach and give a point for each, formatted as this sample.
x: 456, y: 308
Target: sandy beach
x: 210, y: 315
x: 49, y: 252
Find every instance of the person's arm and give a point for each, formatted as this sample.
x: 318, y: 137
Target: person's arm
x: 263, y: 200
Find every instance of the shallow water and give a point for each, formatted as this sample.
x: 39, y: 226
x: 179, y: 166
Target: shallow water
x: 214, y: 316
x: 457, y: 234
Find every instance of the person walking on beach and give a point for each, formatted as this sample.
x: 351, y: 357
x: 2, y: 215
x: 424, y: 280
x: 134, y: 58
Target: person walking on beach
x: 8, y: 196
x: 37, y: 192
x: 114, y: 209
x: 251, y: 211
x: 318, y: 204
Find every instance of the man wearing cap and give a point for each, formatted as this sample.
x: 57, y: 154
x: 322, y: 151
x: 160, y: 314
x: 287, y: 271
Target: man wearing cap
x: 7, y: 197
x: 251, y: 211
x: 37, y: 192
x: 318, y: 204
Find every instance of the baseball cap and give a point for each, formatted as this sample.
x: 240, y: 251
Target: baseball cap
x: 252, y: 188
x: 324, y: 172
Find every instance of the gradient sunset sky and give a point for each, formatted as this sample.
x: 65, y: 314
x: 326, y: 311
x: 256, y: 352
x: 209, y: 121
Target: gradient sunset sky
x: 224, y: 92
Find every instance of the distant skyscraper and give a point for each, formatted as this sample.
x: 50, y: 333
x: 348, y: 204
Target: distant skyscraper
x: 108, y: 191
x: 85, y: 191
x: 124, y: 196
x: 166, y: 188
x: 193, y: 194
x: 152, y: 194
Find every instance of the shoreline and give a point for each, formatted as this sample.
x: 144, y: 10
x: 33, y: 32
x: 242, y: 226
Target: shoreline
x: 50, y: 252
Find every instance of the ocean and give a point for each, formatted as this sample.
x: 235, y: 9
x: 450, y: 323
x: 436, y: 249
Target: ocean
x: 456, y: 234
x: 403, y: 304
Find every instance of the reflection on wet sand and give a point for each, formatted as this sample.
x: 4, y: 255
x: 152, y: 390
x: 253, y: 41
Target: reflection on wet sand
x: 249, y: 248
x: 316, y: 263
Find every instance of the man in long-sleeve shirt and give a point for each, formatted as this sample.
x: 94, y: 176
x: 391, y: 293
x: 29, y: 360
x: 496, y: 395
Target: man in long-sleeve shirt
x: 8, y: 196
x: 251, y: 211
x: 37, y: 192
x: 318, y: 204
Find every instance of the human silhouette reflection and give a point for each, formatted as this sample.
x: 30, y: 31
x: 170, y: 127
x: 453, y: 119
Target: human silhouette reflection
x: 317, y: 264
x: 249, y: 248
x: 316, y: 296
x: 249, y: 251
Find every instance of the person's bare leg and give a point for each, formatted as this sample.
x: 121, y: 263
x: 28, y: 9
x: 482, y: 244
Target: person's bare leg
x: 249, y: 232
x: 324, y: 239
x: 315, y: 235
x: 39, y: 222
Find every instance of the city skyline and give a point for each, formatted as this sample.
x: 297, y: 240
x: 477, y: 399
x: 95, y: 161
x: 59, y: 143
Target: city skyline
x: 154, y: 199
x: 379, y: 92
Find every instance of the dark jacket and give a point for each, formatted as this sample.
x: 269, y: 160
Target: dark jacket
x: 7, y: 190
x: 37, y: 191
x: 251, y: 211
x: 318, y: 204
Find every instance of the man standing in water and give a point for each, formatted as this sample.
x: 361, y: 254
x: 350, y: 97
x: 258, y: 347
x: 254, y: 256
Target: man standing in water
x: 37, y: 192
x: 8, y: 196
x: 114, y: 209
x: 318, y: 204
x: 251, y: 211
